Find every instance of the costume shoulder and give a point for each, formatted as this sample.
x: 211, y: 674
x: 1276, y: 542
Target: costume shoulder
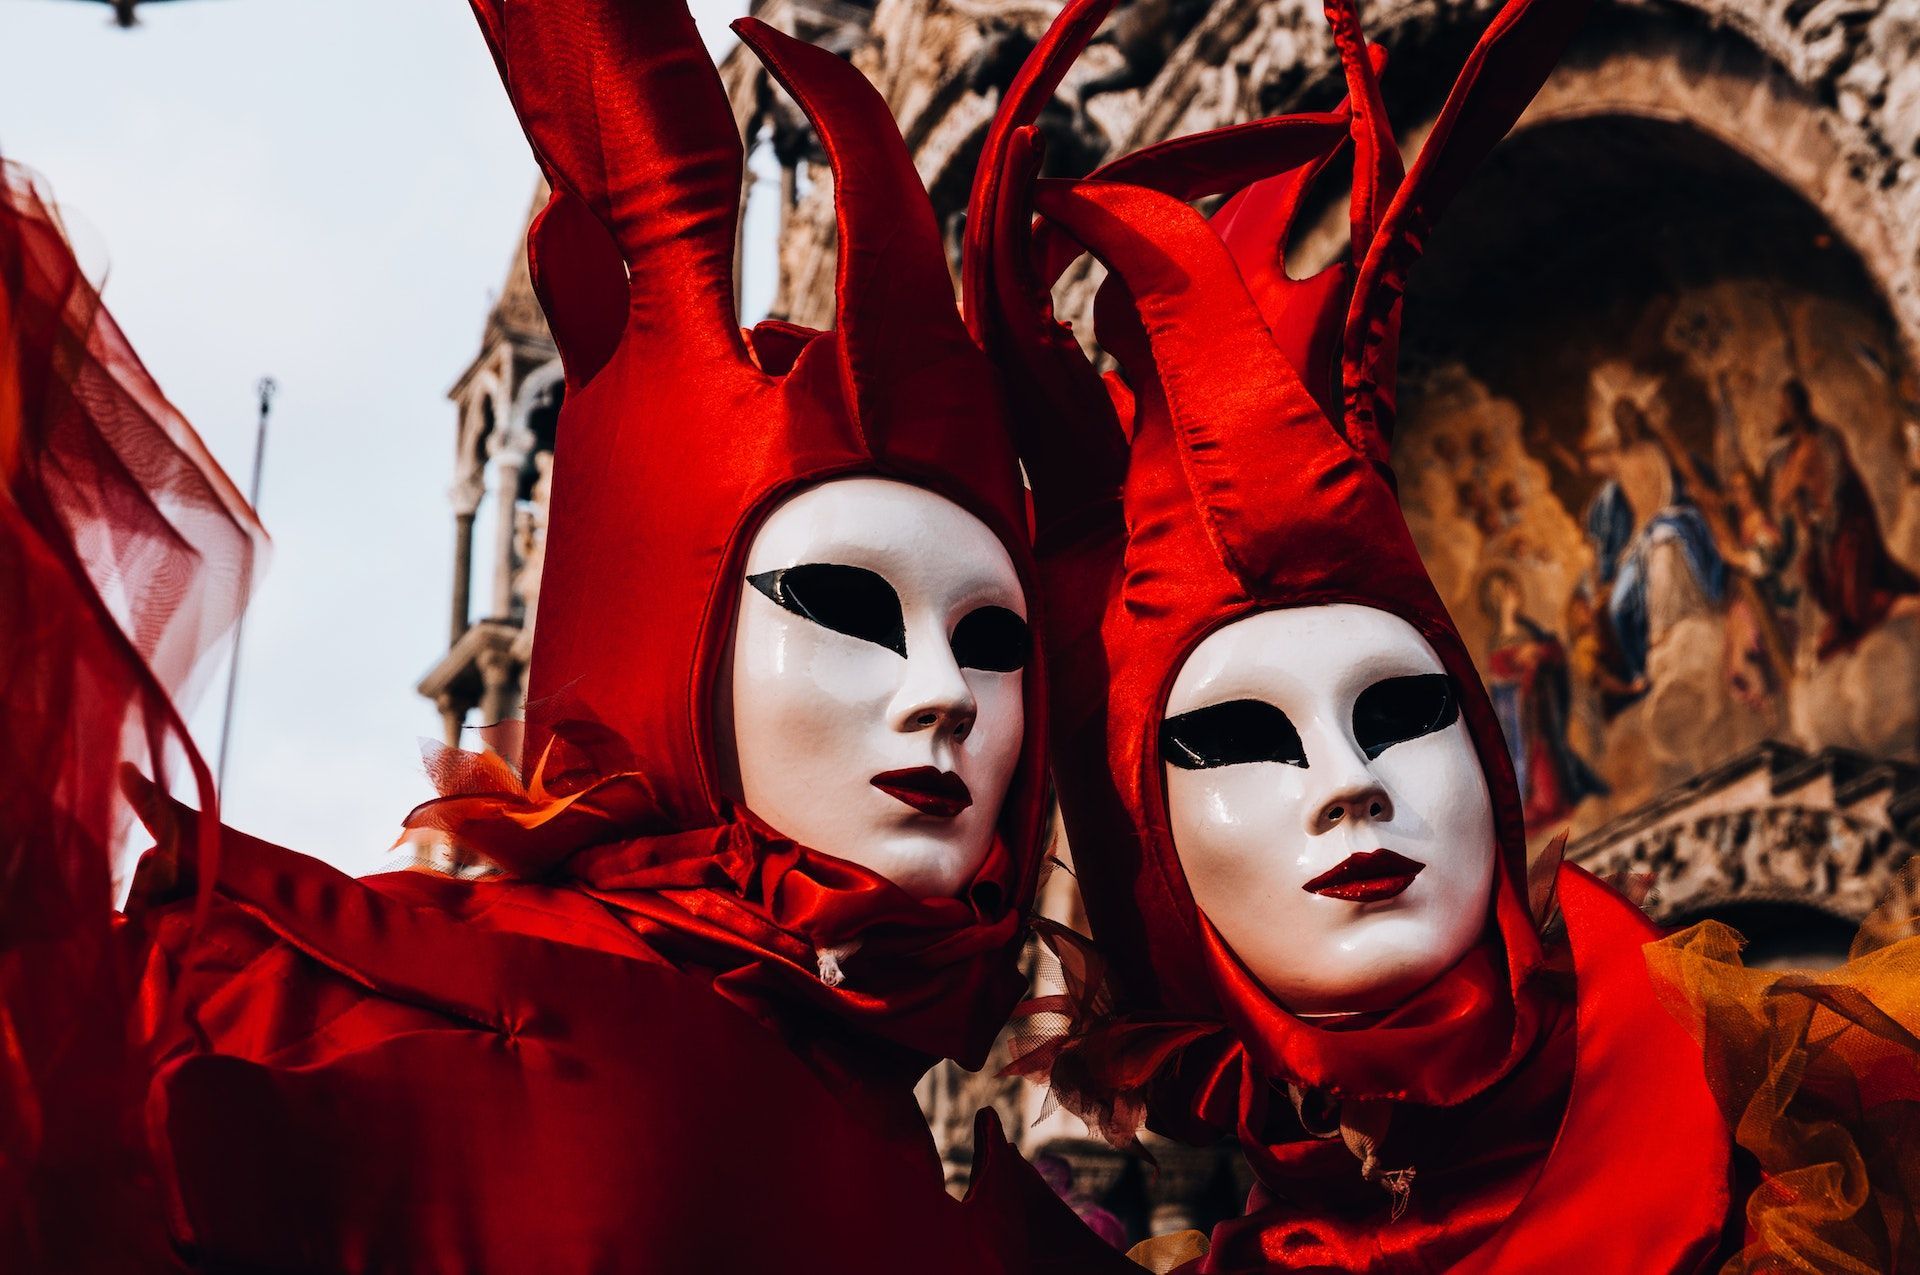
x: 1638, y: 1178
x: 353, y: 1080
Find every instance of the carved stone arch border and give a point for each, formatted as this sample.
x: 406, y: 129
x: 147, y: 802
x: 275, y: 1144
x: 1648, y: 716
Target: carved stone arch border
x: 1824, y: 97
x: 1809, y: 856
x: 1717, y: 84
x: 480, y: 430
x: 518, y: 435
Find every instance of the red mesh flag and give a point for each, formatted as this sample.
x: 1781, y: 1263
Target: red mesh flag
x: 125, y: 553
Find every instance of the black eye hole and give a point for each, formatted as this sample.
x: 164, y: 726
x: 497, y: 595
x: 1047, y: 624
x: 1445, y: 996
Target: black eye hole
x: 992, y: 638
x: 1229, y: 734
x: 849, y: 600
x: 1402, y: 708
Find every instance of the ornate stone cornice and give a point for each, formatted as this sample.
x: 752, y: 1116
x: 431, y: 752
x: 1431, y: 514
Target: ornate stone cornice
x: 1828, y: 830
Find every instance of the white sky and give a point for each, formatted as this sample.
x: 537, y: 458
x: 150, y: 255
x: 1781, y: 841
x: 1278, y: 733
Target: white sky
x: 328, y: 192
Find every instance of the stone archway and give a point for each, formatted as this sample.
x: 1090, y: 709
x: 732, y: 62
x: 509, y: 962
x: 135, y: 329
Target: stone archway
x: 1827, y: 95
x: 1634, y: 64
x: 1794, y: 851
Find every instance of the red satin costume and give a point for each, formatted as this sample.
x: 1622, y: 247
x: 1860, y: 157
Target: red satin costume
x: 1532, y: 1109
x: 667, y: 1038
x: 625, y: 1053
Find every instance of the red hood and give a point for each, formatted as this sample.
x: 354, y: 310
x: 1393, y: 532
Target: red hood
x: 680, y: 433
x: 1239, y: 464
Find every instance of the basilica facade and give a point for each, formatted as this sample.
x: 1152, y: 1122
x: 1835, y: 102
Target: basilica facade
x: 1659, y: 431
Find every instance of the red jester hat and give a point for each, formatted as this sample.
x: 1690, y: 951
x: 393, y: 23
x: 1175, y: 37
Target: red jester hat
x: 679, y: 435
x: 1239, y: 464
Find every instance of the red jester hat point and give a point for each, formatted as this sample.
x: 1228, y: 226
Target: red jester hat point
x: 1245, y: 487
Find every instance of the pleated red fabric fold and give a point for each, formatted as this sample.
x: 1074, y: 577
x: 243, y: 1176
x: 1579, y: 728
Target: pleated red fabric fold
x: 789, y: 933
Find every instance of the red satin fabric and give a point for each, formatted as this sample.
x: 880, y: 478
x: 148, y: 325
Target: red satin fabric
x: 914, y: 970
x: 627, y: 1054
x: 674, y: 448
x: 414, y: 1073
x: 648, y: 993
x: 1220, y: 479
x: 1311, y: 1209
x: 1610, y: 1109
x: 755, y: 910
x: 1443, y: 1026
x: 1238, y: 495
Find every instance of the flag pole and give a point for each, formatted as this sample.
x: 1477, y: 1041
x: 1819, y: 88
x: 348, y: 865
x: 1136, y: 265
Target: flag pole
x: 266, y: 390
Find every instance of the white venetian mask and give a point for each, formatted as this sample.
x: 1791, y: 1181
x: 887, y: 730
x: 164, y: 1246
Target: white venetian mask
x: 1327, y: 805
x: 876, y: 689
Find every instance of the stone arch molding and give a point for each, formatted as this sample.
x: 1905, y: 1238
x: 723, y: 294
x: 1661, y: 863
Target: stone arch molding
x: 518, y: 436
x: 1807, y: 855
x: 1824, y: 95
x: 478, y: 437
x: 1725, y: 91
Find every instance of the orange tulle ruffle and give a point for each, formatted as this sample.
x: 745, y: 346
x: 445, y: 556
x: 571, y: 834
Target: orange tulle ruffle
x: 1818, y: 1076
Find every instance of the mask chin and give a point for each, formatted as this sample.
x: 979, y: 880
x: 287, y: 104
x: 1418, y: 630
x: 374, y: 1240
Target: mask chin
x: 873, y: 709
x: 1398, y: 968
x: 1327, y: 805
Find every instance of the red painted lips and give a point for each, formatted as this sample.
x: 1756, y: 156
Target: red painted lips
x: 1370, y: 877
x: 939, y: 793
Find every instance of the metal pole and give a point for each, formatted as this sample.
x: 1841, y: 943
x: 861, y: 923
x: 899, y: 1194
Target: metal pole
x: 266, y: 389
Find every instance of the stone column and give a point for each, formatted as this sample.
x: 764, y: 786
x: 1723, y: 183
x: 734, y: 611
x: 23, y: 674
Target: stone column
x: 462, y: 574
x: 453, y: 718
x: 500, y: 674
x: 507, y: 466
x: 468, y: 490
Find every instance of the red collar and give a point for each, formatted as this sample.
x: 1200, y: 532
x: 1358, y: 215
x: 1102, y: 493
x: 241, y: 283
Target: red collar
x: 1642, y: 1137
x: 778, y: 926
x: 1637, y: 1136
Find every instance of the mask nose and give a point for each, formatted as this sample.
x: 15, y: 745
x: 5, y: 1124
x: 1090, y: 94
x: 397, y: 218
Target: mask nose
x: 934, y: 696
x: 1352, y: 795
x: 1368, y: 802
